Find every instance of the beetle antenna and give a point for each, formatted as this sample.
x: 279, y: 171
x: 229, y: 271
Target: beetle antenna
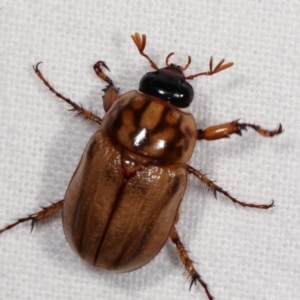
x: 187, y: 64
x: 167, y: 58
x: 218, y: 68
x: 181, y: 68
x: 140, y: 42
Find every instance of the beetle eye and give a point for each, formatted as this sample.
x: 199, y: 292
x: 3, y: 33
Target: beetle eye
x: 168, y: 84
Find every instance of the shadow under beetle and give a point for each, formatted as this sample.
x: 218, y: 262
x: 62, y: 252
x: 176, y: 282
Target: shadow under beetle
x: 122, y: 203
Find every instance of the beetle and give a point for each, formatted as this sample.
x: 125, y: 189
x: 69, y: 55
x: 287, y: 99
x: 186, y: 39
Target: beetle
x: 122, y: 202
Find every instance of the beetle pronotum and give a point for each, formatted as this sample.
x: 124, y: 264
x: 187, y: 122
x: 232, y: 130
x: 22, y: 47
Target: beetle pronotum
x: 122, y: 202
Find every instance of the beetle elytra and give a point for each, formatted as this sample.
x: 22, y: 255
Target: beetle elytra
x: 122, y: 202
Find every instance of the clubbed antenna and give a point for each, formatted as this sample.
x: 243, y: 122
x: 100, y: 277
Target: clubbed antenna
x: 140, y: 42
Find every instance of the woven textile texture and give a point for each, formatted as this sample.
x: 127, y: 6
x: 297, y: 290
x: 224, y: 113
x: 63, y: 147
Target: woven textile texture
x: 241, y: 253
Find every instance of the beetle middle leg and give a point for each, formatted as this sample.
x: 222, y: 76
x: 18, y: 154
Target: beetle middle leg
x: 217, y: 189
x: 188, y: 263
x: 80, y: 110
x: 38, y: 216
x: 225, y: 130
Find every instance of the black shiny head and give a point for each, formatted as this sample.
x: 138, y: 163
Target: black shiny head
x: 168, y: 84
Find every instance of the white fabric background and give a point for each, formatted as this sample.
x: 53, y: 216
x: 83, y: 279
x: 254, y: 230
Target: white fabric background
x: 241, y: 253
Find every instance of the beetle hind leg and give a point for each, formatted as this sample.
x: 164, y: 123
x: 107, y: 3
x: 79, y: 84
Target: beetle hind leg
x: 38, y: 216
x: 188, y: 263
x: 78, y: 108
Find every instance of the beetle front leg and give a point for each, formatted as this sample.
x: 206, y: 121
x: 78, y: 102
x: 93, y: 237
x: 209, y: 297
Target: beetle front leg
x: 38, y: 216
x: 110, y: 92
x: 225, y: 130
x: 188, y: 263
x: 78, y: 108
x: 217, y: 189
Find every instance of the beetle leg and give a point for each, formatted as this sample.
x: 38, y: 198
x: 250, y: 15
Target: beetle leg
x: 188, y: 263
x: 217, y: 189
x: 78, y: 108
x: 99, y: 72
x: 110, y: 92
x: 40, y: 215
x: 225, y: 130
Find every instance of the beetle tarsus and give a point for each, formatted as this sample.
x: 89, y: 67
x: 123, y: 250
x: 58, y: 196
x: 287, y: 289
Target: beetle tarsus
x: 188, y: 263
x: 261, y: 131
x: 40, y: 215
x: 99, y: 72
x: 198, y: 278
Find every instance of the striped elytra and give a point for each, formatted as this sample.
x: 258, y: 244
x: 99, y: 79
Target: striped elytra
x: 120, y: 206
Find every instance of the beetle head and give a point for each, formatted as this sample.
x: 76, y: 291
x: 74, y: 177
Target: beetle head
x: 169, y: 84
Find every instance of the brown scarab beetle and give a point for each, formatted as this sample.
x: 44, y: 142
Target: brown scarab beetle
x: 122, y: 203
